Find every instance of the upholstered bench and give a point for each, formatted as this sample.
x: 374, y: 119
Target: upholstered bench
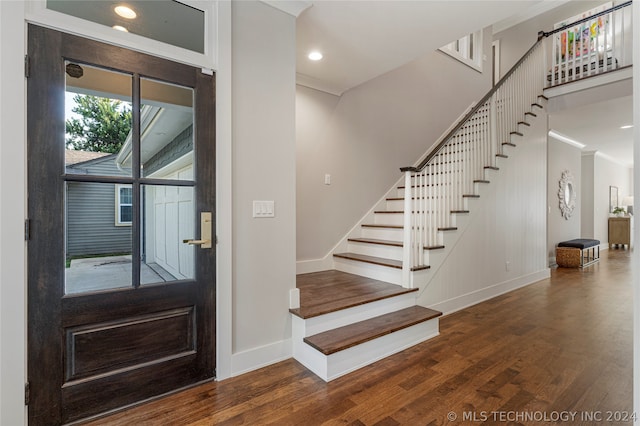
x: 580, y: 252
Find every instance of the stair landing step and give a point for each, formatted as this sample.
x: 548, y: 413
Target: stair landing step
x: 331, y: 291
x: 342, y: 338
x: 377, y: 261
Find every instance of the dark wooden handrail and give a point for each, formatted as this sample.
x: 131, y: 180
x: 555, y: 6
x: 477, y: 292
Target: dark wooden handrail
x: 471, y: 113
x: 463, y: 121
x: 588, y: 18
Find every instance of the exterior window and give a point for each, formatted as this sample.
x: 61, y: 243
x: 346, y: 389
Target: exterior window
x: 467, y: 50
x: 124, y: 209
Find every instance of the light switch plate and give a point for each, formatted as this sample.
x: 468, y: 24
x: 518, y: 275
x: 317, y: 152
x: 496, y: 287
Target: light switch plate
x: 264, y: 209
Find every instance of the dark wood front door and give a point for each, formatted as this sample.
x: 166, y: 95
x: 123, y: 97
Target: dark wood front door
x: 120, y: 306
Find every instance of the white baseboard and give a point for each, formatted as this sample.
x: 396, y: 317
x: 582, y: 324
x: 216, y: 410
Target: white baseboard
x: 253, y: 359
x: 460, y: 302
x: 316, y: 265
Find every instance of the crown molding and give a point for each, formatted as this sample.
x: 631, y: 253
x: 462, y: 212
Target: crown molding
x: 292, y: 7
x: 317, y: 84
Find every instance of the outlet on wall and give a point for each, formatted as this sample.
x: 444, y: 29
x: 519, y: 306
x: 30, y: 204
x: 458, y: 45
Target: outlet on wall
x: 507, y: 266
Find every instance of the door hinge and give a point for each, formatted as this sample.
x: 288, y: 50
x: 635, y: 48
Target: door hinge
x: 27, y: 66
x: 27, y: 229
x: 26, y: 394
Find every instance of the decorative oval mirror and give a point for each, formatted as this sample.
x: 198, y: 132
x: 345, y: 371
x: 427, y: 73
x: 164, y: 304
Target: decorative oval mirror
x: 566, y: 195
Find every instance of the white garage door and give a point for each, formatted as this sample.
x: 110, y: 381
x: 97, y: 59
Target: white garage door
x: 171, y: 223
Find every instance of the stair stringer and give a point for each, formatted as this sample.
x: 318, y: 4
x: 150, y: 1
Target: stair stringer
x: 428, y: 295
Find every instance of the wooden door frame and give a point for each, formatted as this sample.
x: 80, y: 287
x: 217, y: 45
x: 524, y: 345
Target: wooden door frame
x: 44, y: 302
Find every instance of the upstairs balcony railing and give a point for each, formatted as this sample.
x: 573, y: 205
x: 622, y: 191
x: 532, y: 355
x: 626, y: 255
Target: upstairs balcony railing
x: 435, y: 189
x: 592, y: 45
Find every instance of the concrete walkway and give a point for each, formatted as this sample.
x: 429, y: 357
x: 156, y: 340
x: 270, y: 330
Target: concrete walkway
x: 103, y: 273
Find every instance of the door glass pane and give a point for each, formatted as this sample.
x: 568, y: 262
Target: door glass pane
x: 98, y: 236
x: 166, y: 128
x: 167, y: 220
x: 170, y: 22
x: 98, y: 121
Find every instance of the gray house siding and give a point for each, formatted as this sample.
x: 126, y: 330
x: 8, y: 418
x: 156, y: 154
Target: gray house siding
x: 91, y: 212
x: 179, y: 146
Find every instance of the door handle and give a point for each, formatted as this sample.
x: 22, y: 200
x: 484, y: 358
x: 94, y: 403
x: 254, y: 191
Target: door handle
x: 205, y: 232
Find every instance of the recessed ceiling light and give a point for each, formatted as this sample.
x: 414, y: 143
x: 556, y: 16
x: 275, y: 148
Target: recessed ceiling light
x: 125, y: 12
x: 627, y: 126
x: 120, y: 28
x: 315, y: 55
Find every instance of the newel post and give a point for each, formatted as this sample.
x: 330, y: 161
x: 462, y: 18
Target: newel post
x: 406, y: 240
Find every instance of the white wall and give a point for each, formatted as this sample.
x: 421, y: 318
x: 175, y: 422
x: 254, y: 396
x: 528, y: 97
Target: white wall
x: 587, y: 203
x: 506, y: 224
x: 561, y: 157
x: 607, y: 173
x: 362, y: 139
x: 12, y: 214
x: 264, y: 168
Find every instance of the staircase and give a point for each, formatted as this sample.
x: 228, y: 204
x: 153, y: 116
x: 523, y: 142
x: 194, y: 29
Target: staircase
x: 366, y: 309
x: 347, y: 321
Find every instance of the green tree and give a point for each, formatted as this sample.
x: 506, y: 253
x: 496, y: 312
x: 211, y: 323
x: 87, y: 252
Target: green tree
x: 103, y: 125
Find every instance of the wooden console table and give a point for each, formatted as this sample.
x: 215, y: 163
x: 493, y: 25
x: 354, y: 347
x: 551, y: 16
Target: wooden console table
x: 620, y: 231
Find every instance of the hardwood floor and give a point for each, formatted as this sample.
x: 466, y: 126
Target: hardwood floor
x: 560, y: 349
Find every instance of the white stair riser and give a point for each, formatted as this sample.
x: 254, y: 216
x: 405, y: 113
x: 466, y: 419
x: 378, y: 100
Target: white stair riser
x: 378, y: 272
x: 311, y: 326
x: 395, y: 204
x: 377, y: 250
x: 330, y: 367
x: 390, y: 234
x: 388, y: 218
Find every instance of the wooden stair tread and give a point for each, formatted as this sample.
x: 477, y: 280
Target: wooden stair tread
x: 331, y: 291
x: 375, y: 225
x: 396, y: 243
x: 508, y: 143
x: 377, y: 241
x: 370, y: 259
x: 346, y: 337
x: 391, y: 263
